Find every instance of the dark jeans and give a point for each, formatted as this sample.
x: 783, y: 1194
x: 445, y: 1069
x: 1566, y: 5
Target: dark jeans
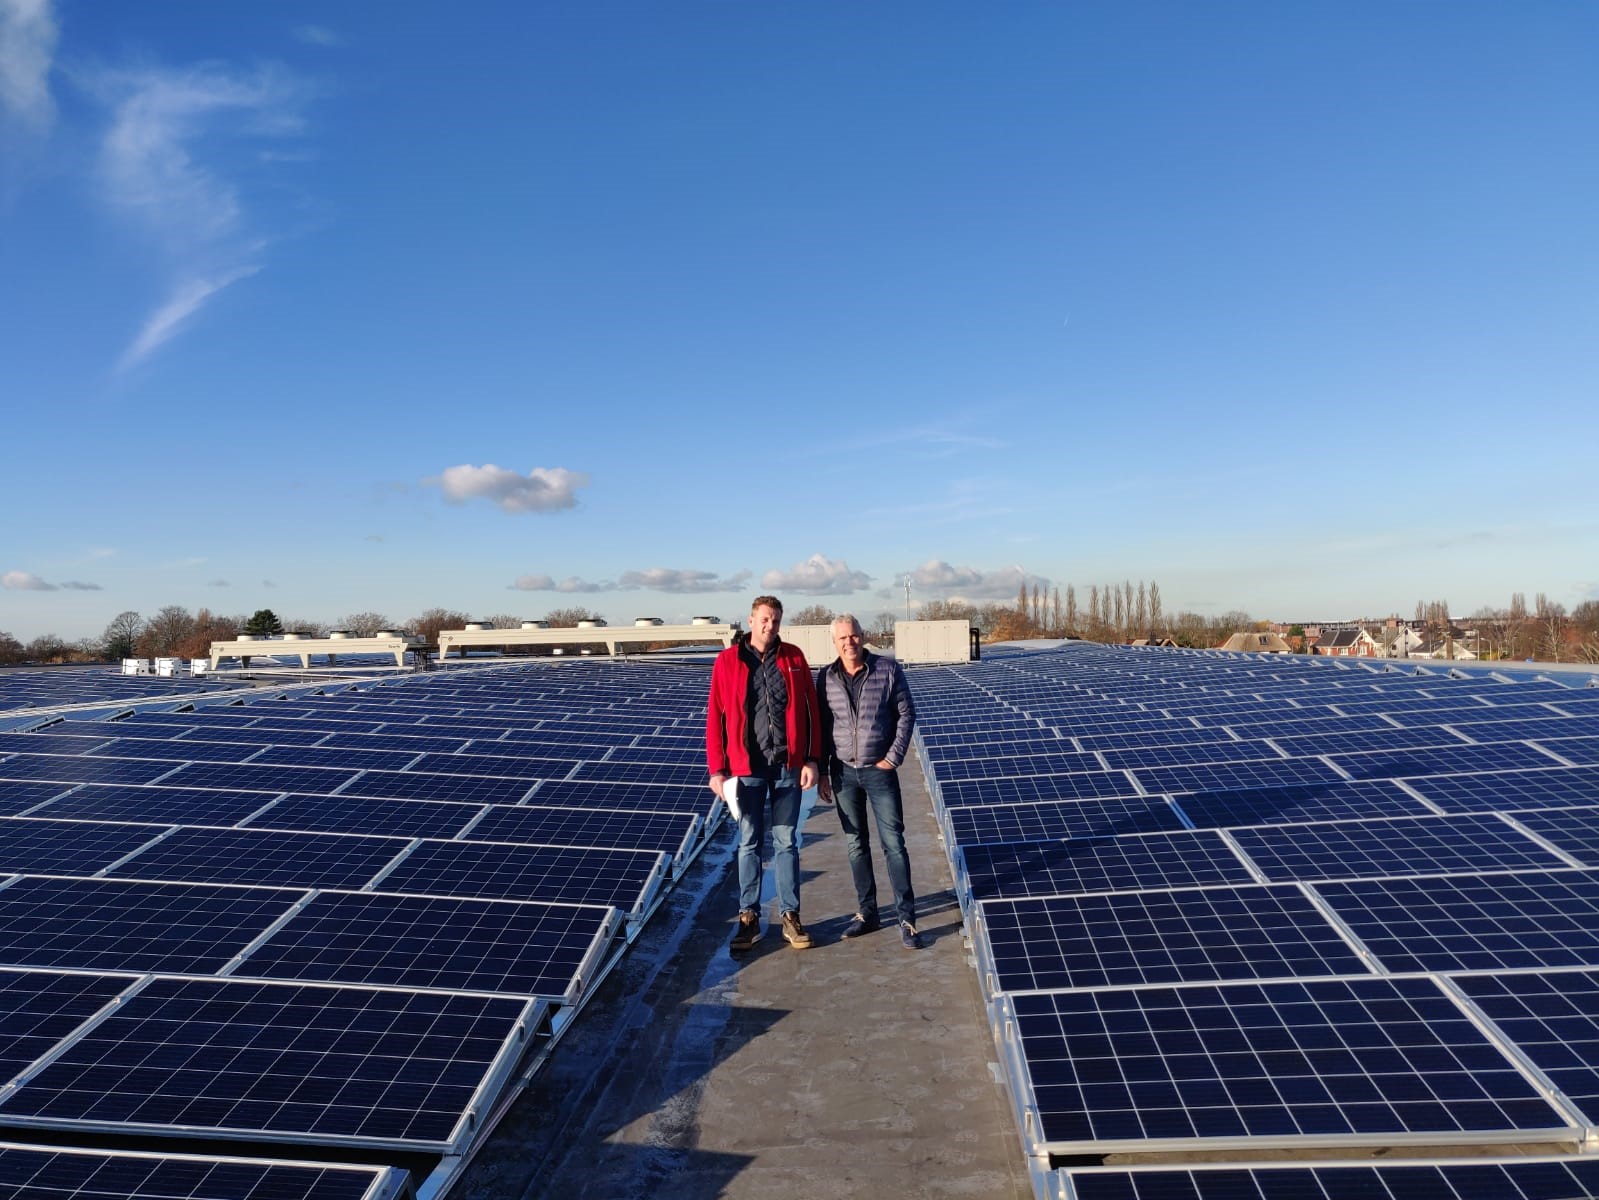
x: 853, y: 789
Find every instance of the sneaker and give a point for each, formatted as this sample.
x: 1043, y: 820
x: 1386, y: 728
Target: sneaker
x: 746, y: 933
x: 860, y: 925
x: 795, y: 932
x: 908, y: 937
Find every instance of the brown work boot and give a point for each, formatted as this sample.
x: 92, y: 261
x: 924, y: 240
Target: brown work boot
x: 747, y: 932
x: 795, y: 932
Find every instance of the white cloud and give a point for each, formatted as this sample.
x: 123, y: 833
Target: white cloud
x: 818, y: 575
x: 78, y: 585
x: 171, y: 316
x: 968, y: 583
x: 572, y: 584
x: 668, y: 579
x: 317, y: 35
x: 27, y: 49
x: 25, y: 581
x: 543, y: 489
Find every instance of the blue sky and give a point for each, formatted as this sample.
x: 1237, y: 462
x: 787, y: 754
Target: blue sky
x: 502, y: 307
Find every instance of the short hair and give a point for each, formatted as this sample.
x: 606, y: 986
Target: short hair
x: 771, y: 602
x: 852, y: 619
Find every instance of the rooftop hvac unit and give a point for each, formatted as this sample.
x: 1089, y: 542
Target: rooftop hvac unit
x: 641, y: 621
x: 246, y: 637
x: 293, y: 637
x: 476, y: 625
x: 706, y: 621
x: 338, y: 634
x: 384, y: 633
x: 535, y: 624
x: 597, y: 623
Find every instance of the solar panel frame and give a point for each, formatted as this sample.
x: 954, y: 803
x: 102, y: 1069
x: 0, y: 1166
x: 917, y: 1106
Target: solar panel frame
x: 71, y: 1173
x: 314, y: 1063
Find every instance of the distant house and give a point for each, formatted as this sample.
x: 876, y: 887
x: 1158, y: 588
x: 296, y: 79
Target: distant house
x: 1165, y: 642
x: 1401, y: 642
x: 1257, y: 643
x: 1346, y: 643
x: 1452, y: 648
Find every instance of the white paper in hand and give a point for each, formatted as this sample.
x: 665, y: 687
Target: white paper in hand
x: 730, y: 795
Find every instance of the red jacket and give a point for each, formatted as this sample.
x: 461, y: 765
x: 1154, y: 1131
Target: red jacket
x: 727, y: 749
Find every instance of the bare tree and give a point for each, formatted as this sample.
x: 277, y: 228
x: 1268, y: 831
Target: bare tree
x: 1071, y: 608
x: 1057, y: 627
x: 432, y: 620
x: 47, y: 648
x: 365, y: 624
x: 811, y: 614
x: 1155, y: 619
x: 567, y: 618
x: 10, y: 650
x: 165, y: 631
x: 121, y: 637
x: 1142, y: 623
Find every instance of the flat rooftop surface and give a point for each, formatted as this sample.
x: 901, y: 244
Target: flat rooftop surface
x: 853, y: 1068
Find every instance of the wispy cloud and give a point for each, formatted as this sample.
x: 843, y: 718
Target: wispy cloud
x: 170, y: 317
x: 219, y: 583
x: 27, y: 50
x: 972, y: 499
x: 818, y: 575
x: 169, y: 161
x: 27, y: 581
x: 543, y: 489
x: 317, y: 35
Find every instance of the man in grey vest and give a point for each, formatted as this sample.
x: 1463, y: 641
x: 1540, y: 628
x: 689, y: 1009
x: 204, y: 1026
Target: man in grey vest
x: 867, y: 718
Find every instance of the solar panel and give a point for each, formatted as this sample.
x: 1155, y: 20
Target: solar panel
x: 108, y: 925
x: 39, y: 1008
x: 1553, y: 1018
x: 601, y: 794
x: 176, y: 751
x: 1101, y: 864
x: 1402, y: 846
x: 153, y: 803
x: 1572, y: 1178
x: 1454, y: 760
x: 518, y: 948
x: 667, y: 832
x: 1579, y: 751
x: 67, y: 769
x: 68, y: 1173
x: 45, y: 847
x: 18, y: 798
x: 252, y: 778
x: 640, y: 772
x: 1059, y: 763
x: 337, y: 756
x: 1200, y: 777
x: 356, y: 814
x: 623, y: 878
x: 23, y: 743
x: 243, y: 1059
x: 1310, y: 745
x: 415, y: 785
x: 420, y: 743
x: 1387, y: 1060
x: 1510, y: 790
x: 1574, y: 831
x: 1290, y: 805
x: 1023, y: 789
x: 1474, y: 922
x: 1184, y: 936
x: 508, y: 765
x: 262, y: 856
x: 975, y: 823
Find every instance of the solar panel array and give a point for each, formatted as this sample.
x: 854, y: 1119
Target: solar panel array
x: 22, y: 689
x: 329, y: 922
x: 1225, y: 903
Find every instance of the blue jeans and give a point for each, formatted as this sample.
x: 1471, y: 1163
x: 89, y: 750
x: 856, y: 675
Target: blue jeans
x: 853, y: 789
x: 780, y: 787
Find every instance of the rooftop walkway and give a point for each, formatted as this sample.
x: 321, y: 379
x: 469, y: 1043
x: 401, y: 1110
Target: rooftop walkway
x: 851, y: 1069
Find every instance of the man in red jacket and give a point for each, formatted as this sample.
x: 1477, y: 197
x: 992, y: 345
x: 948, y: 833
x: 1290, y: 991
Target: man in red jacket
x: 763, y: 729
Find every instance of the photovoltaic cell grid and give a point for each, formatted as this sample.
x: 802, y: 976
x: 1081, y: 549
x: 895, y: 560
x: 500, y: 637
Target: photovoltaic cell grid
x: 1180, y: 936
x: 1512, y: 1179
x: 34, y: 1173
x: 1553, y: 1018
x: 1507, y: 900
x: 237, y: 1058
x: 1099, y: 864
x: 1386, y: 1059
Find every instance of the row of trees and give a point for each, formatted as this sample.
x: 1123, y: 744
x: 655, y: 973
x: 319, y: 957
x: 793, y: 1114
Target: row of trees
x: 1544, y: 631
x: 175, y: 632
